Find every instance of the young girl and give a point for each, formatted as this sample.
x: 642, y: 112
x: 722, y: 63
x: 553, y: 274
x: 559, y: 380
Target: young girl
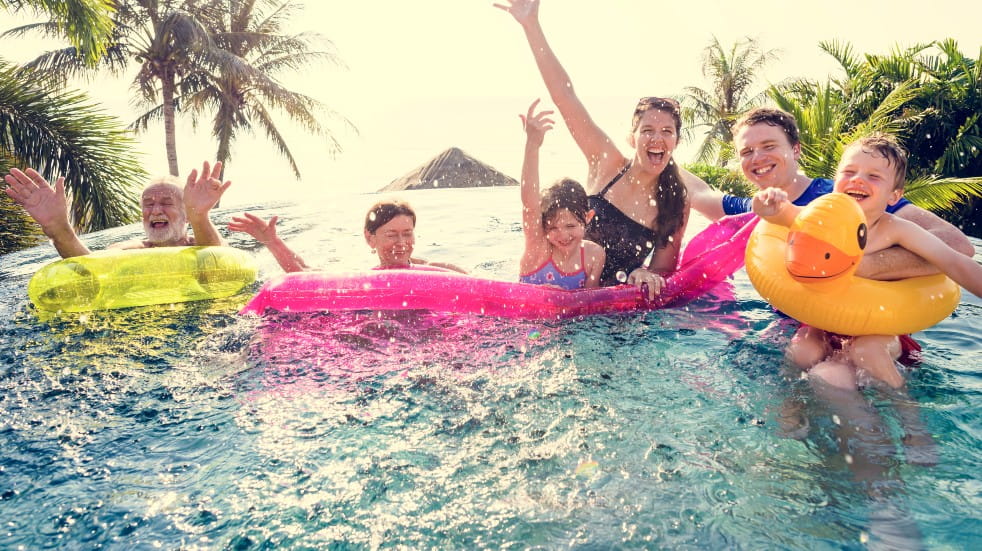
x: 640, y: 200
x: 389, y: 227
x: 554, y: 224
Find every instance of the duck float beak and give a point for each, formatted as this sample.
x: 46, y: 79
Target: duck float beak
x: 826, y: 240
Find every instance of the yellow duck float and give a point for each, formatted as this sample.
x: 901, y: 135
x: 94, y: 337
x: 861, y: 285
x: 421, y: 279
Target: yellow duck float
x: 808, y: 271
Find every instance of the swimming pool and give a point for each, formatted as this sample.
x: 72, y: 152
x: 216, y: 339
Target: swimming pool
x: 189, y: 427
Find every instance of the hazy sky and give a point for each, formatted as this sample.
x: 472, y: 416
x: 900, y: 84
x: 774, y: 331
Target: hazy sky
x: 424, y: 76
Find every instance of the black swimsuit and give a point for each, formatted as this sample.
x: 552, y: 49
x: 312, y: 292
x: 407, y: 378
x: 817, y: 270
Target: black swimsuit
x: 626, y: 242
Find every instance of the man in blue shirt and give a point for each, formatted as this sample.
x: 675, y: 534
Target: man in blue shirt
x: 766, y: 141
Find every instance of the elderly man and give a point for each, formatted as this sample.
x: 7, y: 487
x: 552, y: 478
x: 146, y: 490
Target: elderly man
x: 167, y: 209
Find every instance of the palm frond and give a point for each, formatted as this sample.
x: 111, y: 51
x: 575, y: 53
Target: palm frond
x: 63, y: 132
x: 942, y: 194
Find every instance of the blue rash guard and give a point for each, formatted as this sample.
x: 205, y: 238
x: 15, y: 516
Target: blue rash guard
x: 819, y: 187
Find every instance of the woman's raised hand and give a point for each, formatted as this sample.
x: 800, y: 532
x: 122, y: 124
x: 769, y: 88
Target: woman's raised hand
x: 536, y: 124
x: 524, y: 11
x: 262, y: 231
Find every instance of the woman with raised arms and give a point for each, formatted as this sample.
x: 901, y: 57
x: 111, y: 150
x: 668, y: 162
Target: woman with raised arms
x: 640, y: 202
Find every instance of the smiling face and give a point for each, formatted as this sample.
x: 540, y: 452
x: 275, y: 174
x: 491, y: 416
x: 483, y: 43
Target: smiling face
x: 393, y: 241
x: 164, y: 219
x: 654, y: 139
x: 766, y: 155
x: 564, y: 231
x: 868, y: 177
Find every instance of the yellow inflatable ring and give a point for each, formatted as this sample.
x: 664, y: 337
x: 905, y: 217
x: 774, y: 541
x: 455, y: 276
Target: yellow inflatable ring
x: 140, y: 277
x: 807, y: 272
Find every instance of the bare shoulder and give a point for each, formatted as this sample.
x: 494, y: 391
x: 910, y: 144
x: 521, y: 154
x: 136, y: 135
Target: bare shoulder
x: 604, y: 169
x: 128, y: 245
x: 593, y: 250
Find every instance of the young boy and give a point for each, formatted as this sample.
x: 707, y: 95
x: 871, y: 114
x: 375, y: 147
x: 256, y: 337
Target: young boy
x: 872, y: 171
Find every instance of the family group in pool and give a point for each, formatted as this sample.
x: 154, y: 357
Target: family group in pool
x: 625, y: 223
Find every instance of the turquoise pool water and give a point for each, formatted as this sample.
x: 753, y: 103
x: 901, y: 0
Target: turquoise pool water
x: 189, y: 427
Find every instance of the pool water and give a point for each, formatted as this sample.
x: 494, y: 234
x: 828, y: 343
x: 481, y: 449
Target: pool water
x: 187, y: 426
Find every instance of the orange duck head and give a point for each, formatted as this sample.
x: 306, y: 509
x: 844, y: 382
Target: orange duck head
x: 826, y: 240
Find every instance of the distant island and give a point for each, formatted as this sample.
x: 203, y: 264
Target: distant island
x: 451, y: 169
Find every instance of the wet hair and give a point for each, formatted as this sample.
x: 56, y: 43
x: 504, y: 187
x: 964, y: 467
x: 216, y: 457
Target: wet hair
x: 672, y: 196
x: 168, y: 180
x: 773, y: 117
x: 886, y: 146
x: 564, y: 194
x: 383, y: 212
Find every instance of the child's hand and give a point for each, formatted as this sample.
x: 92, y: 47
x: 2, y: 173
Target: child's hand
x: 536, y: 124
x: 259, y: 229
x: 769, y: 202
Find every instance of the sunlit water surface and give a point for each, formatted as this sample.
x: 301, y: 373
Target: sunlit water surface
x: 187, y: 426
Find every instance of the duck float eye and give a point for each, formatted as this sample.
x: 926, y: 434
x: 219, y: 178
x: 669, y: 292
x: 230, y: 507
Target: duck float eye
x: 861, y: 236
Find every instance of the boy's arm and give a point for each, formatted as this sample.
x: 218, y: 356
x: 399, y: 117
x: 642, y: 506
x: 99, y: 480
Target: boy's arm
x: 959, y: 267
x: 772, y: 205
x: 900, y: 263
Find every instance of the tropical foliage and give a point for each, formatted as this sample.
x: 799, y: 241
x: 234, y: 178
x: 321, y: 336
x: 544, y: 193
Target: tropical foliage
x: 929, y: 95
x: 220, y: 57
x: 86, y: 23
x: 63, y: 132
x: 728, y: 180
x: 243, y: 93
x: 164, y: 37
x: 733, y: 74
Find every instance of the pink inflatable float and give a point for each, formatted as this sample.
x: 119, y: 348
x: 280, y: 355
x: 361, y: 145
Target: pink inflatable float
x: 710, y: 257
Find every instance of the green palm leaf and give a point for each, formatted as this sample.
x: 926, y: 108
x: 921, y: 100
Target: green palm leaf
x: 62, y: 132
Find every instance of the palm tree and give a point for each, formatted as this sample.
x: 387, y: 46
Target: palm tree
x: 906, y: 94
x: 62, y: 132
x: 732, y: 75
x: 243, y: 92
x: 87, y: 23
x: 166, y: 39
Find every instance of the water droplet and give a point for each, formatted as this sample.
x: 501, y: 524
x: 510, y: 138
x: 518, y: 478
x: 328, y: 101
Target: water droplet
x: 587, y: 468
x: 621, y: 276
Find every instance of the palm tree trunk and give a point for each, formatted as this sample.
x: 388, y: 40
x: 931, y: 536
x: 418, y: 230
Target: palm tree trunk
x: 167, y: 89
